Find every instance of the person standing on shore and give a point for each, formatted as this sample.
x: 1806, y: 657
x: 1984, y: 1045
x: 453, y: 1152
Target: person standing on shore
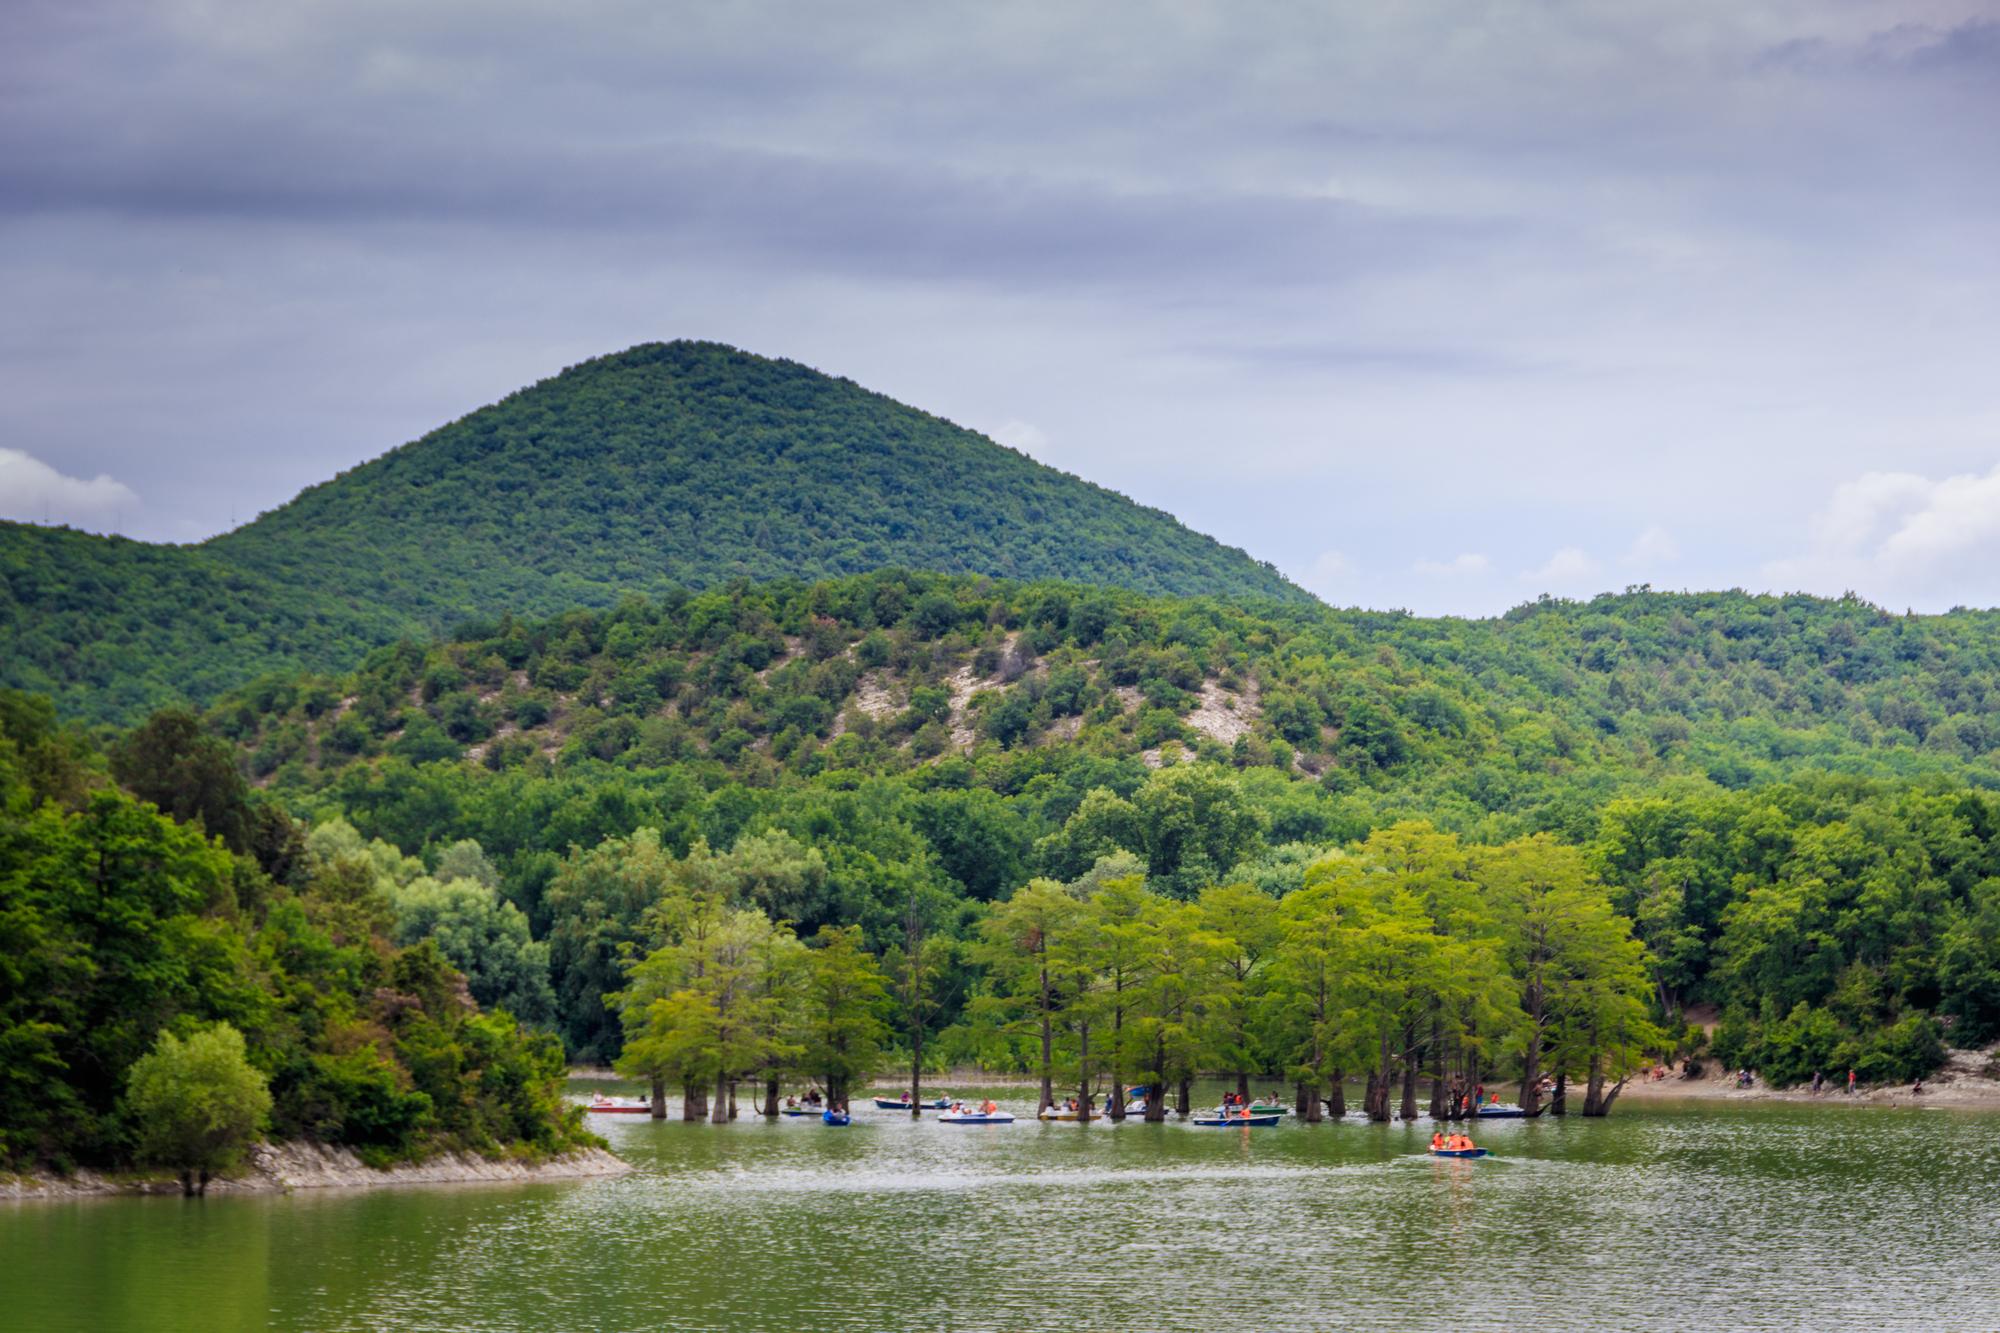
x: 1850, y: 1082
x: 1819, y: 1081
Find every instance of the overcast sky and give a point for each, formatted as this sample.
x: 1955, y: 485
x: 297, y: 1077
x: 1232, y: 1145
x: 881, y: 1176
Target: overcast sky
x: 1432, y: 305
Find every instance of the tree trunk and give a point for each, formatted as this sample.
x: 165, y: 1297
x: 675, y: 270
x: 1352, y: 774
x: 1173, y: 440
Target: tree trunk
x: 1596, y: 1101
x: 659, y: 1099
x: 1243, y: 1084
x: 1156, y: 1087
x: 916, y: 1070
x: 1083, y: 1073
x: 1336, y: 1105
x: 732, y: 1099
x: 1116, y: 1108
x: 1531, y: 1059
x: 770, y: 1096
x: 719, y: 1113
x: 1559, y: 1098
x: 1182, y: 1106
x: 1048, y: 1072
x: 1437, y: 1070
x: 694, y: 1102
x: 1408, y: 1110
x: 187, y: 1185
x: 1308, y: 1103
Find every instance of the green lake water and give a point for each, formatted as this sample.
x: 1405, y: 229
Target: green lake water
x: 1666, y: 1215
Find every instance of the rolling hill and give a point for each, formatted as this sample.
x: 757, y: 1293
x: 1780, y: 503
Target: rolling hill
x: 668, y: 465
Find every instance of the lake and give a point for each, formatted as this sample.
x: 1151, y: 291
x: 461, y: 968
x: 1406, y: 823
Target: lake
x: 1666, y: 1215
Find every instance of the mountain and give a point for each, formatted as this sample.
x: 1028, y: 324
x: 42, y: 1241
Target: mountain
x: 677, y: 464
x: 1491, y: 726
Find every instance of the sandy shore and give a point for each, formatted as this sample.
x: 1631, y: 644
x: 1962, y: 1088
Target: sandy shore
x: 278, y: 1168
x: 1963, y: 1081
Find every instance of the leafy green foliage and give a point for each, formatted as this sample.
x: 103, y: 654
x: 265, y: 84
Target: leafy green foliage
x: 197, y: 1104
x: 122, y: 929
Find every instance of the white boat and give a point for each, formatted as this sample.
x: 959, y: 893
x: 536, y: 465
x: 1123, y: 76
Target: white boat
x: 968, y: 1115
x: 602, y: 1105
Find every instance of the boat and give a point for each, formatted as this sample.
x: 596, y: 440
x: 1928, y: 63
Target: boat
x: 960, y: 1115
x: 1269, y: 1108
x: 1458, y: 1152
x: 1060, y: 1113
x: 898, y: 1104
x: 835, y: 1117
x: 602, y: 1105
x: 1495, y: 1111
x: 1222, y: 1120
x: 798, y: 1110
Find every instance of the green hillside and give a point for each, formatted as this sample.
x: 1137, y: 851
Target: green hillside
x: 882, y: 673
x: 1791, y: 801
x: 679, y: 464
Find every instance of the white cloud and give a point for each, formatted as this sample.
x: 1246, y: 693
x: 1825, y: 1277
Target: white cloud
x: 1328, y: 571
x: 1025, y: 436
x: 1469, y: 565
x: 34, y: 492
x: 1900, y: 537
x: 1654, y: 546
x: 1567, y: 568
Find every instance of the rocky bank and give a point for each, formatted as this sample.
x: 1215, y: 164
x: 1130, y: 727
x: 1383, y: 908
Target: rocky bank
x: 280, y: 1167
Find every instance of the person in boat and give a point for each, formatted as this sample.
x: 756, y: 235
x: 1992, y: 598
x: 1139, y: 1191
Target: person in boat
x: 1437, y: 1140
x: 990, y: 1107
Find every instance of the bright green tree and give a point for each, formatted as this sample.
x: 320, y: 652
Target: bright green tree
x: 197, y: 1105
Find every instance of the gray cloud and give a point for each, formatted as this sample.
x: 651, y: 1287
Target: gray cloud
x: 1390, y: 282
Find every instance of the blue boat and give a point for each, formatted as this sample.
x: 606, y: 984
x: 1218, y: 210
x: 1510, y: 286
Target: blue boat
x: 1458, y: 1152
x: 835, y: 1117
x: 1495, y: 1111
x: 1212, y: 1120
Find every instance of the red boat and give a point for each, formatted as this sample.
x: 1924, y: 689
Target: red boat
x: 602, y: 1105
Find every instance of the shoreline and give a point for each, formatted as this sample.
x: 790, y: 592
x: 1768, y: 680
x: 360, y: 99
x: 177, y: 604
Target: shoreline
x: 1962, y: 1081
x: 281, y: 1168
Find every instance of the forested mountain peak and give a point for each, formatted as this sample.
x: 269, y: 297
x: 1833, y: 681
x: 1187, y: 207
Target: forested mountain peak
x: 691, y: 463
x: 668, y: 465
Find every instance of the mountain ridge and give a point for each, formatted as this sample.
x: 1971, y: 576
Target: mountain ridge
x: 667, y: 465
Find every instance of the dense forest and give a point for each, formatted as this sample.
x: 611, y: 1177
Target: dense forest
x: 175, y: 950
x: 1779, y: 808
x: 667, y: 465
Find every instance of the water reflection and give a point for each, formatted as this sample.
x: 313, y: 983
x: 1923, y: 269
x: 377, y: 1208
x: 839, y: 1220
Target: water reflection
x: 1661, y: 1217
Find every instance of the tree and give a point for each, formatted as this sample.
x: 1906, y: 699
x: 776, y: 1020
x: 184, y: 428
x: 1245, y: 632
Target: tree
x: 1115, y: 927
x: 197, y: 1105
x: 1023, y: 942
x: 839, y: 1028
x: 484, y: 938
x: 596, y: 904
x: 1194, y: 825
x: 1247, y: 919
x: 188, y: 773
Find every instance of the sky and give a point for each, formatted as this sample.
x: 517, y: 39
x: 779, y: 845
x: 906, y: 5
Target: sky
x: 1442, y: 306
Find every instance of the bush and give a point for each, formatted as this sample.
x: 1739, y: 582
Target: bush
x: 197, y: 1104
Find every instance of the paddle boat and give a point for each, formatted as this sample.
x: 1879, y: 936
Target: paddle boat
x: 1458, y: 1152
x: 961, y: 1114
x: 1220, y: 1119
x: 903, y: 1104
x: 798, y: 1110
x: 602, y: 1105
x: 835, y: 1117
x: 1495, y: 1111
x: 1269, y: 1108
